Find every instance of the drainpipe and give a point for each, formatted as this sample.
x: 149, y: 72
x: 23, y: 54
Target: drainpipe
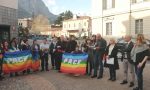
x: 129, y: 32
x: 102, y: 21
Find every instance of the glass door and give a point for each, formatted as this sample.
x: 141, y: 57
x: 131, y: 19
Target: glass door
x: 4, y: 33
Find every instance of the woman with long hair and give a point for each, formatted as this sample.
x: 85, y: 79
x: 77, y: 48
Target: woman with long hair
x: 13, y: 48
x: 139, y: 54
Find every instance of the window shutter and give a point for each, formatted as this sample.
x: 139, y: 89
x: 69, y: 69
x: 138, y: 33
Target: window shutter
x: 113, y: 3
x: 133, y: 1
x: 104, y: 4
x: 146, y: 0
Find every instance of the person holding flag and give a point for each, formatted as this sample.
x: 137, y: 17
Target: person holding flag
x: 1, y: 60
x: 60, y: 49
x: 35, y: 50
x: 13, y: 48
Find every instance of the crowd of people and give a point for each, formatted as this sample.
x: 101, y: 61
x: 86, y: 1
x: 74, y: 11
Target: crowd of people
x: 134, y: 55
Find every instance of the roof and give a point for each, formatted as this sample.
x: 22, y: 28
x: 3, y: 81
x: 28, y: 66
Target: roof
x: 78, y: 18
x: 25, y: 19
x: 56, y: 29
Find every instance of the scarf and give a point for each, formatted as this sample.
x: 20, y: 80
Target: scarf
x: 137, y: 49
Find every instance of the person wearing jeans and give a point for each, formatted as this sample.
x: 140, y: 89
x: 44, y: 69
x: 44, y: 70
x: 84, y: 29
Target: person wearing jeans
x: 52, y: 51
x: 139, y: 73
x: 100, y: 47
x: 44, y: 55
x: 139, y: 54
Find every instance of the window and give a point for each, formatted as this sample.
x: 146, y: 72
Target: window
x: 64, y: 25
x: 139, y: 26
x: 108, y: 4
x: 139, y: 1
x: 109, y: 28
x: 79, y: 25
x: 74, y: 25
x: 84, y: 23
x: 69, y: 25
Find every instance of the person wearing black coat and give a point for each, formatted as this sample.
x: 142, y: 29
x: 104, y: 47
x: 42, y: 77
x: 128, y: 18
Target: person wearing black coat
x: 71, y: 45
x: 88, y: 48
x: 139, y: 54
x: 111, y: 52
x: 60, y: 49
x: 52, y: 51
x: 25, y: 46
x: 1, y: 60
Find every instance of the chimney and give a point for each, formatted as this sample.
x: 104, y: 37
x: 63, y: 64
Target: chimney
x: 74, y: 16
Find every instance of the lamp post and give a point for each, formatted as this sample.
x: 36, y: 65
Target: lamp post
x: 89, y: 28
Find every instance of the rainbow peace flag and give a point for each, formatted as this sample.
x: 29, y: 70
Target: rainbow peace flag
x: 74, y: 63
x: 17, y: 61
x: 35, y: 61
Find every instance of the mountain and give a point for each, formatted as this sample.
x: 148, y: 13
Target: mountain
x: 30, y: 8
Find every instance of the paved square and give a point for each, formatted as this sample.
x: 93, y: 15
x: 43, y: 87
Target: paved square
x: 53, y: 80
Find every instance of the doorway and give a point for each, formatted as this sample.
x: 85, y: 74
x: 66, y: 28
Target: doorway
x: 4, y: 32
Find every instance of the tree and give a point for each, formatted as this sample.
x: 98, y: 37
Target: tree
x: 23, y: 32
x: 64, y: 16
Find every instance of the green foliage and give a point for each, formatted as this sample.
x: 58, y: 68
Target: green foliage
x: 23, y: 32
x: 64, y: 16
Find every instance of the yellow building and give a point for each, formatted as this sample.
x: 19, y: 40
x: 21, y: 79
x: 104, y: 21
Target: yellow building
x: 77, y: 26
x: 25, y: 22
x: 120, y: 17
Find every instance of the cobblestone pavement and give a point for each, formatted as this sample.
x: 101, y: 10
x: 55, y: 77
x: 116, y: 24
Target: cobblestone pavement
x: 53, y: 80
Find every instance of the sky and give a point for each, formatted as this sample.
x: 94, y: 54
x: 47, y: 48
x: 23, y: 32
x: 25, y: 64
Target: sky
x: 80, y: 7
